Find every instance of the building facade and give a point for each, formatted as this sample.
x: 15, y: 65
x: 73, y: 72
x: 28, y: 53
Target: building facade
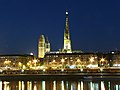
x: 68, y: 58
x: 15, y: 61
x: 43, y: 46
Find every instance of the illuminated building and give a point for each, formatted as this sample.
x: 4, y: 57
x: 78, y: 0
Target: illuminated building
x: 71, y: 60
x: 15, y: 61
x: 43, y: 46
x: 47, y: 45
x: 67, y: 41
x: 68, y: 58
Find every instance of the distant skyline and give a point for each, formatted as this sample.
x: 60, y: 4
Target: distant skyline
x: 94, y: 24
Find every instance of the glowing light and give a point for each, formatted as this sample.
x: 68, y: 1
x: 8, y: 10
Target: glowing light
x: 78, y: 60
x: 72, y: 66
x: 1, y: 70
x: 23, y: 85
x: 92, y: 59
x: 35, y: 87
x: 22, y: 70
x: 20, y: 85
x: 24, y: 67
x: 0, y: 85
x: 20, y: 64
x: 113, y: 52
x: 81, y: 69
x: 78, y: 85
x: 66, y: 12
x: 102, y: 60
x: 81, y: 85
x: 44, y: 70
x: 102, y: 85
x: 31, y: 54
x: 62, y: 85
x: 101, y: 69
x: 62, y: 60
x: 54, y: 85
x: 43, y: 85
x: 92, y: 66
x: 91, y: 85
x: 62, y: 70
x: 53, y: 60
x: 116, y: 65
x: 34, y: 61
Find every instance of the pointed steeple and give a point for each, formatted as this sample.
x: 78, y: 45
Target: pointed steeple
x: 47, y: 41
x: 67, y: 36
x: 47, y: 45
x: 67, y: 41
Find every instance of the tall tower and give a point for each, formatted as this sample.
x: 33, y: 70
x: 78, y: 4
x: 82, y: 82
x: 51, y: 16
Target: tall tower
x: 41, y: 47
x: 67, y: 41
x: 47, y: 45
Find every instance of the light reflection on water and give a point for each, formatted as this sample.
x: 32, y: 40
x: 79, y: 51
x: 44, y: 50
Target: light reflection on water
x: 60, y: 85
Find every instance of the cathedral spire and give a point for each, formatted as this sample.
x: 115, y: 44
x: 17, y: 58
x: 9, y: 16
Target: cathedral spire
x: 47, y: 45
x: 67, y: 36
x: 67, y: 41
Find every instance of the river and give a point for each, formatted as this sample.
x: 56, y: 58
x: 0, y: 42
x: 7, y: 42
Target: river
x: 86, y: 84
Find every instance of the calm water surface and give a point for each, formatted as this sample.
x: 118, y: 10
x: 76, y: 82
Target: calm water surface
x: 61, y: 85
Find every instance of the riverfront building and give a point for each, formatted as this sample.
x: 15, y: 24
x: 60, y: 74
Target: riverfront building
x: 68, y: 58
x: 15, y: 61
x: 65, y: 58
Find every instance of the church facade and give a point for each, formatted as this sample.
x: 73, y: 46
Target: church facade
x: 68, y: 58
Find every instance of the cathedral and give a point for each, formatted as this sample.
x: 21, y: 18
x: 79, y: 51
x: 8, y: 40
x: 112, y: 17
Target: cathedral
x: 44, y: 45
x: 68, y: 58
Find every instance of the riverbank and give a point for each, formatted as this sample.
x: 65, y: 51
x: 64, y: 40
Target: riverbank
x: 62, y: 76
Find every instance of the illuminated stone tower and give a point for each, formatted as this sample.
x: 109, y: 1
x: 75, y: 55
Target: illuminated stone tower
x: 47, y: 45
x: 67, y: 41
x: 41, y: 47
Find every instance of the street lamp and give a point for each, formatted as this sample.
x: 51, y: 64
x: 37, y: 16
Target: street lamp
x: 92, y: 59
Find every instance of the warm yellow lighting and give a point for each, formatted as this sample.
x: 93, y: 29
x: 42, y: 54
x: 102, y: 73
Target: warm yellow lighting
x: 34, y: 61
x: 92, y: 59
x: 7, y: 62
x: 20, y: 64
x: 102, y: 60
x: 53, y: 60
x: 78, y: 60
x: 28, y: 64
x: 101, y: 69
x: 29, y: 61
x: 62, y: 60
x: 81, y: 69
x: 44, y: 70
x: 62, y: 70
x: 24, y: 67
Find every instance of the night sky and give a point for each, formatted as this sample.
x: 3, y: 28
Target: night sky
x: 94, y: 24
